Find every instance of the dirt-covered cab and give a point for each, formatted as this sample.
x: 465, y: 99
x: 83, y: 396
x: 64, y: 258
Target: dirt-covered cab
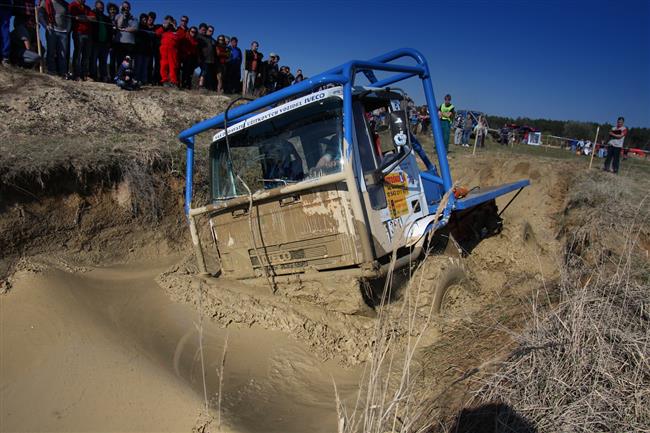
x: 318, y: 202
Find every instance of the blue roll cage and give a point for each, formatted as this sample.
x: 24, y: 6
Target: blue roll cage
x: 343, y: 75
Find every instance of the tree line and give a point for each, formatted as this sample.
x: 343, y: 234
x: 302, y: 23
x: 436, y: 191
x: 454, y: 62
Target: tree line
x: 636, y: 137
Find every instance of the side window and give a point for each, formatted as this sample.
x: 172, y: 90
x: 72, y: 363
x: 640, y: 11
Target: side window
x: 369, y: 155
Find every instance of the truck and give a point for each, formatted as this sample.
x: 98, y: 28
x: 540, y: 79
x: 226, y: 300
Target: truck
x: 320, y: 188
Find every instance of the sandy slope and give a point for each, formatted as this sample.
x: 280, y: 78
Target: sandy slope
x: 105, y: 350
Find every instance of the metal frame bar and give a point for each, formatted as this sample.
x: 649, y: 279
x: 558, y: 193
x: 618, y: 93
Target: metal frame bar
x: 343, y: 74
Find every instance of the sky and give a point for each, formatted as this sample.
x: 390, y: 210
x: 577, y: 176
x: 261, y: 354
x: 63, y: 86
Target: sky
x: 564, y: 60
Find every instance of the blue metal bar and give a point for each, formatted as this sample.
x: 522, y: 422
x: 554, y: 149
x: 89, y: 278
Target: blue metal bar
x: 394, y: 79
x: 189, y: 174
x: 347, y: 109
x: 437, y: 132
x: 420, y: 151
x: 399, y: 53
x: 358, y: 65
x: 487, y: 194
x: 265, y: 101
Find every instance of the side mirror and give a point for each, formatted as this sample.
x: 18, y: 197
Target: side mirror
x: 389, y: 164
x: 392, y: 161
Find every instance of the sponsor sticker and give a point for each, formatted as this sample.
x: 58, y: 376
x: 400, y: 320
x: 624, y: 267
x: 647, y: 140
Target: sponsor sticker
x: 397, y: 190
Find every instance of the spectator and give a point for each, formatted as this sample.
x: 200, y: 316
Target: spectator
x: 223, y: 56
x: 113, y: 11
x: 57, y: 32
x: 102, y: 37
x: 153, y: 69
x: 124, y: 78
x: 23, y: 49
x: 168, y: 52
x: 183, y: 28
x: 467, y: 129
x: 481, y: 131
x: 126, y: 27
x: 234, y: 67
x: 82, y: 36
x: 615, y: 145
x: 458, y: 129
x: 446, y: 113
x: 144, y: 45
x: 190, y: 55
x: 299, y: 76
x: 5, y: 19
x: 252, y: 67
x: 285, y: 78
x: 207, y: 58
x: 270, y: 74
x: 424, y: 118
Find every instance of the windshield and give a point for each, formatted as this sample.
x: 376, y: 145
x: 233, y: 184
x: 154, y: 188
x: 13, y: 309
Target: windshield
x: 301, y: 144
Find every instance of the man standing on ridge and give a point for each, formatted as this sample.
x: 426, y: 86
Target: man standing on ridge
x: 446, y: 113
x: 615, y: 145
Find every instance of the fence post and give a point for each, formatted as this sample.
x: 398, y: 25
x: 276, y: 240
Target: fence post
x: 593, y: 148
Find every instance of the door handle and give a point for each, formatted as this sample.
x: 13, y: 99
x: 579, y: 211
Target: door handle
x: 239, y: 212
x: 284, y: 201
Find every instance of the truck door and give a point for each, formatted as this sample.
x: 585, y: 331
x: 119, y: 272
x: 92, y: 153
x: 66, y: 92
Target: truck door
x: 394, y: 198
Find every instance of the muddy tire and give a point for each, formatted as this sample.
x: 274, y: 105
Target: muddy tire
x: 451, y: 286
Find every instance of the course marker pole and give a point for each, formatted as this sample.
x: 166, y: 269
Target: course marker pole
x: 38, y: 40
x: 593, y: 148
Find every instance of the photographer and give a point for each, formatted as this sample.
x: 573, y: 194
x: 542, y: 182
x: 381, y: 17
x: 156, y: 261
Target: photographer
x: 124, y: 78
x: 126, y: 26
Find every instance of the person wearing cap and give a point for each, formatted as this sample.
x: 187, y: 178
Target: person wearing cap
x: 446, y: 113
x: 270, y: 72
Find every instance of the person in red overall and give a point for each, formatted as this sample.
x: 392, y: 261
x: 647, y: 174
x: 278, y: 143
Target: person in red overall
x: 169, y: 62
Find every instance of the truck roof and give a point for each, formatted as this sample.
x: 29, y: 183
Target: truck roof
x: 294, y: 104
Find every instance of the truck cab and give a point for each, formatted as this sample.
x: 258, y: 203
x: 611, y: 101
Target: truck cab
x: 325, y: 176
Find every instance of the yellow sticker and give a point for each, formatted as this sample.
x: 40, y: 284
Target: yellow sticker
x: 397, y: 191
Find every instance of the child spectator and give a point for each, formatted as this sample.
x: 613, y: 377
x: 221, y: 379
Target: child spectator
x: 124, y: 78
x: 252, y: 68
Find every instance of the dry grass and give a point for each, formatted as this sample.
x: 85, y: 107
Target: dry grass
x: 582, y: 362
x: 583, y: 366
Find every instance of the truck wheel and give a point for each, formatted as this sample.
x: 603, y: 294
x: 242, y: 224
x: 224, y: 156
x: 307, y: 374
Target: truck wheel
x: 452, y: 288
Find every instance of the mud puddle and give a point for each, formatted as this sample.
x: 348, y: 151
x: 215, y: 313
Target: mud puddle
x: 106, y: 350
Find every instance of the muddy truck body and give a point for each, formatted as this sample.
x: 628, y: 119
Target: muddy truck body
x: 323, y: 181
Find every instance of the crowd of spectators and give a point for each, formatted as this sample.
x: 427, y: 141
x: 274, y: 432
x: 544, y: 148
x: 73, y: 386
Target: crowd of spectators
x: 108, y: 43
